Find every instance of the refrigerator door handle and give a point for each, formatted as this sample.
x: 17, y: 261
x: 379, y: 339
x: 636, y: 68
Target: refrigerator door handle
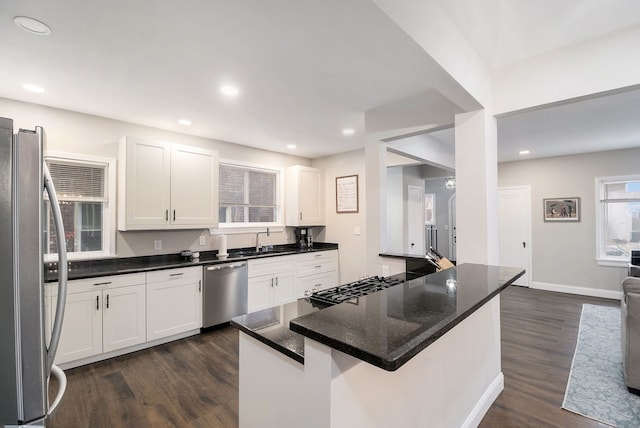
x: 62, y: 381
x: 62, y: 268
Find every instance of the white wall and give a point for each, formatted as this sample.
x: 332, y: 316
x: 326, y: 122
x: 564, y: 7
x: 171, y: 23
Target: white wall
x: 343, y: 228
x: 71, y: 132
x: 564, y: 254
x: 395, y: 210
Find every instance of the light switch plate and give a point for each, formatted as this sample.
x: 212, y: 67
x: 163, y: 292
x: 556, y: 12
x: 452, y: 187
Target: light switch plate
x: 385, y: 270
x: 202, y: 241
x: 157, y: 244
x: 356, y: 230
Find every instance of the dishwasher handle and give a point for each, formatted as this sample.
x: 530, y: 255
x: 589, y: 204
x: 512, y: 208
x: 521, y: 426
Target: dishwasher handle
x: 227, y: 266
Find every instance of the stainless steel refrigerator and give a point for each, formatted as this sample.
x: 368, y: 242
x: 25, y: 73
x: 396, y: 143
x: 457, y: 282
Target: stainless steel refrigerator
x: 26, y: 361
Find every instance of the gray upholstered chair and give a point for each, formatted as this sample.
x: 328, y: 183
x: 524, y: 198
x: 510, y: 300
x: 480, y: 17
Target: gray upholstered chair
x: 630, y: 309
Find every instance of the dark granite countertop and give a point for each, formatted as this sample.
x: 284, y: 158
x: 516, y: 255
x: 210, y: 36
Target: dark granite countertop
x: 271, y: 327
x: 119, y: 266
x: 389, y: 327
x: 386, y: 328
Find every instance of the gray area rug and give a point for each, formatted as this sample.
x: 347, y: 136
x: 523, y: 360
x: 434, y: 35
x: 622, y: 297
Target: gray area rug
x: 596, y: 387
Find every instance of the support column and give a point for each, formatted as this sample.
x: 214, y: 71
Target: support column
x: 476, y: 188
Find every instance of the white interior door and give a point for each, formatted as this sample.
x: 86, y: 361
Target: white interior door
x: 515, y: 229
x: 415, y: 217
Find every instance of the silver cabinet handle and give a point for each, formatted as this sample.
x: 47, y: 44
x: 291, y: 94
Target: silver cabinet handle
x: 177, y: 274
x: 174, y: 215
x: 97, y: 303
x: 271, y: 282
x: 102, y: 283
x: 199, y: 286
x: 276, y: 281
x: 107, y: 301
x: 166, y: 215
x: 317, y: 266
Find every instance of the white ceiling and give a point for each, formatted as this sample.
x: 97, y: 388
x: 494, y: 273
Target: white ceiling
x: 305, y: 70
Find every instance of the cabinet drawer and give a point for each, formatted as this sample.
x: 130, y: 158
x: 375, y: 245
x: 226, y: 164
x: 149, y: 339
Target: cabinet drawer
x: 186, y: 274
x: 101, y: 283
x: 318, y: 255
x: 316, y: 266
x: 312, y: 283
x: 271, y: 265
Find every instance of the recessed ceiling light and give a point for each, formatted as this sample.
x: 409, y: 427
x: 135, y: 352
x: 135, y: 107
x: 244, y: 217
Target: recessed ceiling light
x: 32, y: 25
x: 291, y: 146
x: 348, y: 131
x: 184, y: 122
x: 230, y: 91
x: 524, y: 152
x: 33, y: 88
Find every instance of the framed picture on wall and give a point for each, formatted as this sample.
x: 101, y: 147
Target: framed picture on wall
x: 347, y: 194
x: 430, y: 209
x: 561, y: 209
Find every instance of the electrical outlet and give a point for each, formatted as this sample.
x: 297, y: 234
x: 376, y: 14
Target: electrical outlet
x: 157, y: 244
x: 202, y: 240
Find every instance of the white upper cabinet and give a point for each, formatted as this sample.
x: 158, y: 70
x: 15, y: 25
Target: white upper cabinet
x: 304, y: 196
x: 166, y: 186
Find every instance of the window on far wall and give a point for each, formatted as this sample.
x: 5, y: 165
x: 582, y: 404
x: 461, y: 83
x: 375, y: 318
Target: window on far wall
x: 248, y: 195
x: 85, y: 192
x: 618, y: 218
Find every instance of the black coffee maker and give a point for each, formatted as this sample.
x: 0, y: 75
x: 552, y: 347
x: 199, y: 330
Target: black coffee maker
x: 304, y: 238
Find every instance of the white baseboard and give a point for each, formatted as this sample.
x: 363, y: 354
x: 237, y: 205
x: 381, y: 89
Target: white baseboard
x: 584, y: 291
x: 485, y: 402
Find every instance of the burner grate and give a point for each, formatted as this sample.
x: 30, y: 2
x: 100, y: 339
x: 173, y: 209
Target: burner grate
x: 351, y: 291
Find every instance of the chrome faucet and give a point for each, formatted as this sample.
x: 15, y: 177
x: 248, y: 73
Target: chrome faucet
x: 258, y: 246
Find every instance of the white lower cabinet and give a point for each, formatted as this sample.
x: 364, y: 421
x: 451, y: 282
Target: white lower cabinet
x: 101, y: 315
x: 272, y: 282
x: 317, y: 271
x: 174, y: 301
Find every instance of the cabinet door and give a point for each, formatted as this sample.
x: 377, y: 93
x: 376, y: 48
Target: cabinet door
x: 304, y: 196
x: 173, y: 307
x: 260, y: 293
x: 82, y: 327
x: 311, y: 211
x: 144, y: 184
x: 285, y: 288
x: 194, y: 186
x: 124, y: 318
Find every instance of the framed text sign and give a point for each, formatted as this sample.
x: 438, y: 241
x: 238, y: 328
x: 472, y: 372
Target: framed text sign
x: 347, y: 194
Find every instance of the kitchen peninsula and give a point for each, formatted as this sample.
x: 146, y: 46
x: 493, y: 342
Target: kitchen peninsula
x: 425, y: 352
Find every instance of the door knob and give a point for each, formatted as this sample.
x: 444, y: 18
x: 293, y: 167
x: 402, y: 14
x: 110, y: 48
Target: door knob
x: 524, y: 244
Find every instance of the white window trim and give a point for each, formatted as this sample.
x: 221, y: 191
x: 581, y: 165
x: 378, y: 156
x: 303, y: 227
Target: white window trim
x: 109, y: 234
x: 603, y: 259
x: 255, y: 227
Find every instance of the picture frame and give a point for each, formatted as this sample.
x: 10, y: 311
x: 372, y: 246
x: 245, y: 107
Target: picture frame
x: 347, y: 194
x: 561, y: 209
x: 430, y: 209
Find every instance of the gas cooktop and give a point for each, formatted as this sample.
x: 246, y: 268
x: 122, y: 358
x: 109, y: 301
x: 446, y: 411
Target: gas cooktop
x: 350, y: 292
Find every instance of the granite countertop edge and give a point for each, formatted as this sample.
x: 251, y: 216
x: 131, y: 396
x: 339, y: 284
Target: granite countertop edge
x: 270, y: 343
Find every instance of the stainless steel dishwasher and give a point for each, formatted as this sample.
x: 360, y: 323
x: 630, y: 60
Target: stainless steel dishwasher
x: 225, y: 292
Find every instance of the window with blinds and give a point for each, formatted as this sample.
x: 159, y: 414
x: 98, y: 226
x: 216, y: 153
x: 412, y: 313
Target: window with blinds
x: 82, y: 190
x: 619, y: 217
x: 248, y: 195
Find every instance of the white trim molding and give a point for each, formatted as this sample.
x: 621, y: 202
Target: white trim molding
x: 583, y: 291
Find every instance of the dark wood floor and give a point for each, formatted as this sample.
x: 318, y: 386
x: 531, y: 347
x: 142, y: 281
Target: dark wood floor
x: 194, y: 382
